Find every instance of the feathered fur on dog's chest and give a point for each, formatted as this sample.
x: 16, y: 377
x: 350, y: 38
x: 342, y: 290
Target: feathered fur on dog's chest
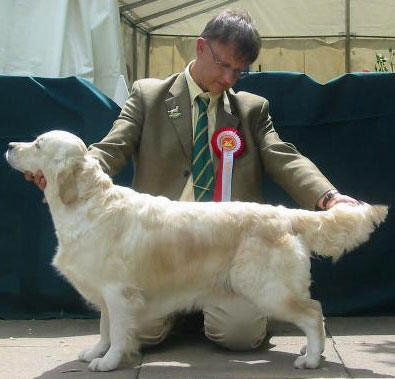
x: 80, y: 255
x: 78, y: 270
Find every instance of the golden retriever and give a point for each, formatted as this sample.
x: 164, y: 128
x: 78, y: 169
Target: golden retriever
x: 136, y: 256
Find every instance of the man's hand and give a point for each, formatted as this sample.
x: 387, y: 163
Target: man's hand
x: 38, y: 179
x: 333, y: 197
x: 339, y: 198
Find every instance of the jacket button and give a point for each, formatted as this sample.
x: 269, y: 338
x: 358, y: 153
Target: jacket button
x: 186, y: 173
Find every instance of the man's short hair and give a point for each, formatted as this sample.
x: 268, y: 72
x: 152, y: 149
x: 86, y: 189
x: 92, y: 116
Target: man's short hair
x: 235, y: 27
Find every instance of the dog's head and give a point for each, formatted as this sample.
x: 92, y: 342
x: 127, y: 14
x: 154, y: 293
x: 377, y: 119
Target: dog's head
x: 58, y: 154
x: 47, y: 150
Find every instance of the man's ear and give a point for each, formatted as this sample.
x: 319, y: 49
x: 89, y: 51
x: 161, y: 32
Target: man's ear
x: 199, y: 46
x: 67, y: 185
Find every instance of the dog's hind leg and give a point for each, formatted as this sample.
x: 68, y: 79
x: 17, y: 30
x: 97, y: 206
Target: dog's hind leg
x: 104, y: 343
x: 303, y: 312
x: 122, y: 305
x: 317, y: 304
x: 307, y: 315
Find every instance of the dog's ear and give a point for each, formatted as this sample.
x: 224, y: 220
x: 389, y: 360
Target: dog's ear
x: 67, y: 184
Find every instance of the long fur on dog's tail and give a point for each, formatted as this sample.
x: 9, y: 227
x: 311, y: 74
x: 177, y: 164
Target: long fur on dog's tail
x: 340, y: 229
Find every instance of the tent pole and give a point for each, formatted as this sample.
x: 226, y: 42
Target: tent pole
x: 147, y: 54
x: 347, y: 47
x: 134, y: 73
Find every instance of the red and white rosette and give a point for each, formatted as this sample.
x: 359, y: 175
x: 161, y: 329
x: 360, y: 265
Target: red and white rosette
x: 228, y: 144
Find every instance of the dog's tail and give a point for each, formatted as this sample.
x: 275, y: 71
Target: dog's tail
x: 338, y: 230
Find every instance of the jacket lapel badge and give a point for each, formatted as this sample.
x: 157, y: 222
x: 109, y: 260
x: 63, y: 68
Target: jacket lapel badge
x: 175, y: 112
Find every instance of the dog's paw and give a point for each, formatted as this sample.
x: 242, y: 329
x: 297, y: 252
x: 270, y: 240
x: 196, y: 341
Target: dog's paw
x: 88, y: 355
x: 102, y: 364
x: 108, y: 363
x: 307, y: 362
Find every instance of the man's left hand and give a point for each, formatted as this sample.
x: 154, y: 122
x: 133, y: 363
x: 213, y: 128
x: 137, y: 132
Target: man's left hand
x: 334, y: 199
x: 339, y: 198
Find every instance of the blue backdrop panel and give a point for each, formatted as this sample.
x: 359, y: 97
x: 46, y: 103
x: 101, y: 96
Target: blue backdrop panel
x: 345, y: 127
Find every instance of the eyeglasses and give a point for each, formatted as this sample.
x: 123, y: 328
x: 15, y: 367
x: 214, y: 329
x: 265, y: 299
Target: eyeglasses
x: 236, y: 73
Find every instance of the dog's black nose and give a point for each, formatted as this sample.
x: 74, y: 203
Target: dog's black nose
x: 11, y: 145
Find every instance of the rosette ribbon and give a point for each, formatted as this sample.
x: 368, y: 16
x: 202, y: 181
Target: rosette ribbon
x: 228, y: 144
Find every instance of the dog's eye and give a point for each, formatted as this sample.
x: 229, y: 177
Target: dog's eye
x: 37, y: 145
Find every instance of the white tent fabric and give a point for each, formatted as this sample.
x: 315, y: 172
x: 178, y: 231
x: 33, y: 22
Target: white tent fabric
x: 156, y: 38
x: 322, y: 38
x: 121, y: 92
x: 274, y: 18
x: 62, y: 38
x: 375, y: 18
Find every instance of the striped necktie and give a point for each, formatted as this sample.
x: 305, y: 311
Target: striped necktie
x: 202, y: 165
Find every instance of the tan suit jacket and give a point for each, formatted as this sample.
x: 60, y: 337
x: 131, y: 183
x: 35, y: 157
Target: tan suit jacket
x: 161, y: 146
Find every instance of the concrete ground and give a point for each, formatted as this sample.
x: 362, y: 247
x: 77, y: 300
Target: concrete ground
x: 355, y: 348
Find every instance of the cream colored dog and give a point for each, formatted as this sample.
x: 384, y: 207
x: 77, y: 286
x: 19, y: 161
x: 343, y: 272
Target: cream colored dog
x: 137, y: 256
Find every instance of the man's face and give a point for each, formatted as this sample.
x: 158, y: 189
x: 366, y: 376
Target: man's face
x: 217, y: 66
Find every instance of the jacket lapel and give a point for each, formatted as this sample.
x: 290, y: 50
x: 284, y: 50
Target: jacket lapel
x: 179, y: 113
x: 226, y: 114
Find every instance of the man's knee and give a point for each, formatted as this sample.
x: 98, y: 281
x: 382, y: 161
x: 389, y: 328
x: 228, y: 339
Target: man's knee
x: 153, y: 332
x: 240, y: 332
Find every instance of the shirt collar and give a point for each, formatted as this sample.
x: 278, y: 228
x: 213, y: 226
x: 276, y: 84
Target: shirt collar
x: 195, y: 90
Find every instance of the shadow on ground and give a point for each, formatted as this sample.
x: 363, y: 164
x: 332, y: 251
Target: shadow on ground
x: 193, y: 356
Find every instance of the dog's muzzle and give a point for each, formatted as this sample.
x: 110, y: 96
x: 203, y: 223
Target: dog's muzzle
x: 11, y: 146
x: 10, y: 155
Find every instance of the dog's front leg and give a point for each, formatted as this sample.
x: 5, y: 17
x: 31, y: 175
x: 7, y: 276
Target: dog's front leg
x: 122, y: 306
x: 104, y: 343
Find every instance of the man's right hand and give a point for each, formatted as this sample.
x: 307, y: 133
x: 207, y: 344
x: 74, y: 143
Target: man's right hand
x: 38, y: 179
